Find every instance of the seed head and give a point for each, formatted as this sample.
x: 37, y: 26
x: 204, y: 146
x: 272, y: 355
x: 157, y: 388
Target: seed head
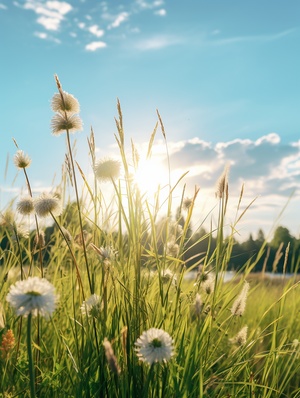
x: 241, y: 337
x: 47, y: 204
x: 239, y: 305
x: 25, y: 205
x: 65, y: 102
x: 107, y: 169
x: 21, y: 160
x: 7, y: 344
x: 111, y: 358
x: 61, y: 123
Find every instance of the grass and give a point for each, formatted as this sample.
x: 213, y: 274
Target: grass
x: 125, y: 252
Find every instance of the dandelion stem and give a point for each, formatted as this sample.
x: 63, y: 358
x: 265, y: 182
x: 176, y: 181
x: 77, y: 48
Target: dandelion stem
x: 30, y: 358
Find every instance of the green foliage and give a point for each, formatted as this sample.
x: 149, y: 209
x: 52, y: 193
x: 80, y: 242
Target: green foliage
x: 138, y: 263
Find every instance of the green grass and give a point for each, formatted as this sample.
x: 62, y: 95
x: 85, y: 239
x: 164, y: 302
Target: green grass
x: 68, y: 349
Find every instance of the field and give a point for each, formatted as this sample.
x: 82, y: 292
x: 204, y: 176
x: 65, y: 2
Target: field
x: 97, y: 303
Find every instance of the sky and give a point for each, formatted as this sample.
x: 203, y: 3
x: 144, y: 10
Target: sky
x: 224, y: 76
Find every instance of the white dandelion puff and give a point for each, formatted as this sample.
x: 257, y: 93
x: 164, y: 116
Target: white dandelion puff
x: 47, y: 204
x: 92, y: 307
x: 65, y: 102
x: 21, y: 160
x: 33, y: 295
x: 25, y: 205
x: 154, y: 345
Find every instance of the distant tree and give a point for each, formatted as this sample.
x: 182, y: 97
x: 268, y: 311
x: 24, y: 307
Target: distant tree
x: 281, y: 235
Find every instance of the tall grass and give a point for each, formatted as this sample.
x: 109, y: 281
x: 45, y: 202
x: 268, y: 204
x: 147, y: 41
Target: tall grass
x: 122, y: 250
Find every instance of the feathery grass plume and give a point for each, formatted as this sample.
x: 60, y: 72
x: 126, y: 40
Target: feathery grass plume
x: 105, y: 253
x: 166, y: 276
x: 92, y: 307
x: 7, y: 343
x: 21, y: 160
x: 222, y: 185
x: 65, y: 102
x: 241, y: 337
x: 61, y: 123
x: 111, y: 358
x: 67, y: 234
x: 154, y: 345
x: 187, y: 203
x: 172, y: 248
x: 32, y: 296
x: 239, y: 305
x: 47, y: 204
x: 197, y: 306
x: 25, y: 205
x: 107, y: 169
x: 209, y: 284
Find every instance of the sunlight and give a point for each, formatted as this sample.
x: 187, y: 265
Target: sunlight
x: 150, y: 175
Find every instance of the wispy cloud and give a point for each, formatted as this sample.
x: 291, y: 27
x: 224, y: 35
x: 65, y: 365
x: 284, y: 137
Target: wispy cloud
x: 3, y: 6
x: 95, y: 45
x: 46, y: 36
x: 157, y: 42
x: 51, y: 13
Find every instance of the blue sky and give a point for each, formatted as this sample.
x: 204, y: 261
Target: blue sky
x: 223, y: 74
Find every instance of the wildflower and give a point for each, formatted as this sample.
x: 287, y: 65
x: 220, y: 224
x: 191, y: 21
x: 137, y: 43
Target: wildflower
x: 47, y: 204
x: 167, y: 275
x: 239, y: 305
x: 61, y: 123
x: 241, y: 337
x: 7, y: 344
x: 92, y: 307
x: 65, y: 102
x: 111, y: 358
x: 107, y: 169
x: 21, y: 160
x: 33, y: 295
x: 154, y: 345
x: 25, y: 205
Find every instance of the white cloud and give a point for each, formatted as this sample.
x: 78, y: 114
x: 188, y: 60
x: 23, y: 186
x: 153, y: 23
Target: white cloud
x: 95, y: 45
x: 96, y: 31
x: 149, y: 4
x: 51, y: 13
x: 122, y: 17
x: 162, y: 12
x: 81, y: 25
x: 41, y: 35
x: 3, y: 6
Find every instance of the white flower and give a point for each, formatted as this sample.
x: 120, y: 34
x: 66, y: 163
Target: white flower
x: 33, y: 295
x: 154, y: 345
x: 92, y: 307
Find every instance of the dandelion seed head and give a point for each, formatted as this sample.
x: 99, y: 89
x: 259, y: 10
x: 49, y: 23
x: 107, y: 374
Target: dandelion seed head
x: 107, y: 169
x: 25, y: 205
x: 33, y: 295
x: 21, y: 160
x: 92, y: 307
x: 154, y: 345
x: 67, y: 104
x: 60, y: 123
x: 47, y: 204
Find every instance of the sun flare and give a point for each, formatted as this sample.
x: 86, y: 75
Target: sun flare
x: 151, y: 176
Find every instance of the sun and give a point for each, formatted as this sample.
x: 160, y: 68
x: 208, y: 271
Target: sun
x: 151, y: 176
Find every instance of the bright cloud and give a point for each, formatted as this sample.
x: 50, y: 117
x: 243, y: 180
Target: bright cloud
x: 95, y: 45
x: 157, y: 42
x: 122, y: 17
x: 51, y: 13
x: 96, y: 31
x: 3, y: 7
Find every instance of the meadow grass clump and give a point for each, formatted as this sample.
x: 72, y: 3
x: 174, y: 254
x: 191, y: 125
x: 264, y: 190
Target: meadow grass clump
x: 125, y: 321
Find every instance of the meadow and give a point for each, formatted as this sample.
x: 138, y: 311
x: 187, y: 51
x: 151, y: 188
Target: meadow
x: 98, y: 303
